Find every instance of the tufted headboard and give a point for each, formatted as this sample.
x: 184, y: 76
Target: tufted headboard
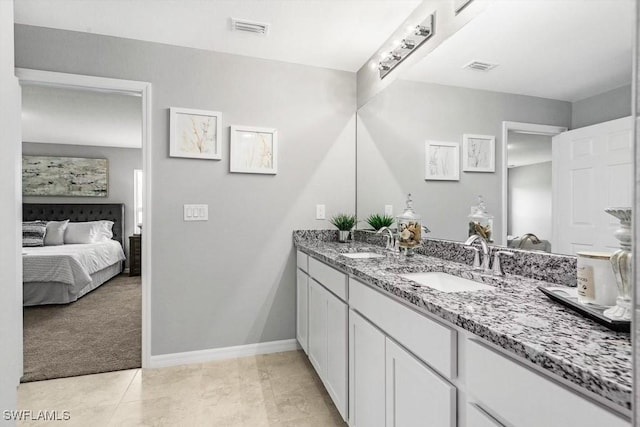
x: 77, y: 212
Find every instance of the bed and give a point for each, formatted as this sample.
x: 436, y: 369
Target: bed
x: 62, y: 274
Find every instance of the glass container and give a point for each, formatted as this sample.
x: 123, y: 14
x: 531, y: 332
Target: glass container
x: 480, y: 221
x: 409, y: 228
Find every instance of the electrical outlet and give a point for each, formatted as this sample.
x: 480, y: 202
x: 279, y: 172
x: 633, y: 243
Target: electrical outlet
x: 388, y: 210
x: 320, y: 212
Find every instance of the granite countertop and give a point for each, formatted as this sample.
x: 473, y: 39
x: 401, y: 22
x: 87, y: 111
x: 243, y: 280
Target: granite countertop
x: 515, y: 316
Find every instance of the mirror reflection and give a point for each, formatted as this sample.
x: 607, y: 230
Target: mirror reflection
x: 542, y: 132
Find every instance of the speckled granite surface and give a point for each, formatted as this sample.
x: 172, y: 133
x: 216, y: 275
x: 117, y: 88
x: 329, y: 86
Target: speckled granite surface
x: 548, y: 267
x: 515, y: 316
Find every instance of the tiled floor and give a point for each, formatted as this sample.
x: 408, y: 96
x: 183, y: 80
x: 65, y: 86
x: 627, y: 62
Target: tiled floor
x: 279, y: 389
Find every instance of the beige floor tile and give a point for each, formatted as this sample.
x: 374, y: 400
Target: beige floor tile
x: 160, y: 412
x: 98, y: 416
x: 279, y: 389
x: 167, y: 382
x: 294, y: 382
x: 87, y: 391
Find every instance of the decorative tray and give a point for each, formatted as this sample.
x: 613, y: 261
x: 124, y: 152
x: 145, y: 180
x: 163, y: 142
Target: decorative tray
x: 569, y: 297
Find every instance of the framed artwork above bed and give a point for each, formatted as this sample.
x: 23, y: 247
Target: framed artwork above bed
x: 64, y: 176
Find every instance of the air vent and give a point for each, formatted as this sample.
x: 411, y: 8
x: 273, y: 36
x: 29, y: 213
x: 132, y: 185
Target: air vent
x: 480, y: 66
x: 259, y: 28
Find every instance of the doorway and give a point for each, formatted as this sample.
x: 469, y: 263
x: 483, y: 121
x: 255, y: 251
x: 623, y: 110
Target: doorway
x: 526, y: 184
x: 142, y: 92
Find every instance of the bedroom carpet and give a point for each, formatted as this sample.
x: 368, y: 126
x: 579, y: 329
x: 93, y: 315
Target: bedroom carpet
x: 100, y: 332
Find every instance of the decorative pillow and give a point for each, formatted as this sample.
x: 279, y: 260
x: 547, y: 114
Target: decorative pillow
x: 33, y: 233
x: 88, y: 232
x: 55, y: 233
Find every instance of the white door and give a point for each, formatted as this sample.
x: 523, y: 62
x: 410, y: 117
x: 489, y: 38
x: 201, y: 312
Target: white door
x: 317, y: 328
x: 592, y: 170
x: 415, y: 395
x: 337, y: 356
x: 302, y: 312
x: 366, y: 373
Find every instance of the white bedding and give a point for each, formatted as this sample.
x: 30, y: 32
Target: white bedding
x: 69, y: 264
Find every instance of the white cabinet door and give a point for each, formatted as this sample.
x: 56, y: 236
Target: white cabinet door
x: 592, y: 170
x: 302, y: 312
x: 327, y: 342
x: 366, y: 373
x: 317, y: 328
x: 415, y: 395
x: 337, y: 356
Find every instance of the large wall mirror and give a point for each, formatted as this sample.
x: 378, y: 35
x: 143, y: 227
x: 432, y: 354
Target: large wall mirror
x: 529, y: 106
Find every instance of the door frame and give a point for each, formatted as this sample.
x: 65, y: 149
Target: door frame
x: 142, y: 89
x: 531, y: 128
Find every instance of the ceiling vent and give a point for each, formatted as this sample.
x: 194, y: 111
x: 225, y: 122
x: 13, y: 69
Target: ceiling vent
x: 480, y: 66
x: 246, y: 26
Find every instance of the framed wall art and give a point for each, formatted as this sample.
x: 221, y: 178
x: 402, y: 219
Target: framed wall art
x: 195, y: 134
x: 64, y: 176
x: 253, y: 150
x: 442, y: 161
x: 478, y: 153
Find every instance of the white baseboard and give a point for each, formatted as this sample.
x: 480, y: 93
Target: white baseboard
x: 209, y: 355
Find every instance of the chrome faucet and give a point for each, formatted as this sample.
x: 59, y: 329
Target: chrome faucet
x: 497, y: 267
x: 486, y: 259
x: 390, y: 238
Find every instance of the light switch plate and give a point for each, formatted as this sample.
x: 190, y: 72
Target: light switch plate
x: 196, y: 212
x: 388, y: 210
x: 320, y: 212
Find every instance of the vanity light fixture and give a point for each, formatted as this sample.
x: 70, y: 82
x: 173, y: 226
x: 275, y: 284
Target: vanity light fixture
x: 414, y: 39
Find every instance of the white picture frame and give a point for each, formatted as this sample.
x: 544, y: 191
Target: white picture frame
x: 253, y: 150
x: 478, y: 153
x: 442, y: 161
x: 195, y: 134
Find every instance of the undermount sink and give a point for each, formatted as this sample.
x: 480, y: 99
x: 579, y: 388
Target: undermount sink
x: 444, y: 282
x: 362, y: 255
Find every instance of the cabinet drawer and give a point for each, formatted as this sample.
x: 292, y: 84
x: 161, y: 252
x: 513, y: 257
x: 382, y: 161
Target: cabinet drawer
x: 302, y: 261
x: 432, y: 342
x: 329, y: 277
x: 522, y: 397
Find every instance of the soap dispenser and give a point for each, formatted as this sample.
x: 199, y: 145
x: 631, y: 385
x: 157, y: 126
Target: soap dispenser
x: 409, y: 229
x: 480, y: 221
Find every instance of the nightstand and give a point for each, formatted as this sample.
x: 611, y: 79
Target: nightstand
x: 135, y: 255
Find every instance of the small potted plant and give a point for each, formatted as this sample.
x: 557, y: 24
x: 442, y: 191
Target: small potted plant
x: 378, y: 221
x: 344, y: 223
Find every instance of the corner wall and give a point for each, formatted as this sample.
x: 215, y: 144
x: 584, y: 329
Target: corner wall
x: 10, y: 212
x: 229, y: 281
x: 606, y: 106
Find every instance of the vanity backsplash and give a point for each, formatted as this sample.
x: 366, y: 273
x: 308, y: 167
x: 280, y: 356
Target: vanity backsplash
x: 553, y: 268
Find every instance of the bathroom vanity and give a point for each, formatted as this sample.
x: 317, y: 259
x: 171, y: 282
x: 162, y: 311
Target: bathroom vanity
x: 393, y: 352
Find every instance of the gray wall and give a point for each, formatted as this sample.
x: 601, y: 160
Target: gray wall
x: 530, y: 196
x: 610, y: 105
x: 10, y: 258
x: 231, y: 280
x: 393, y: 128
x: 122, y: 162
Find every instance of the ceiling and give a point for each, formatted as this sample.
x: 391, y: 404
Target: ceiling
x: 80, y: 117
x: 562, y: 49
x: 337, y: 34
x: 526, y: 149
